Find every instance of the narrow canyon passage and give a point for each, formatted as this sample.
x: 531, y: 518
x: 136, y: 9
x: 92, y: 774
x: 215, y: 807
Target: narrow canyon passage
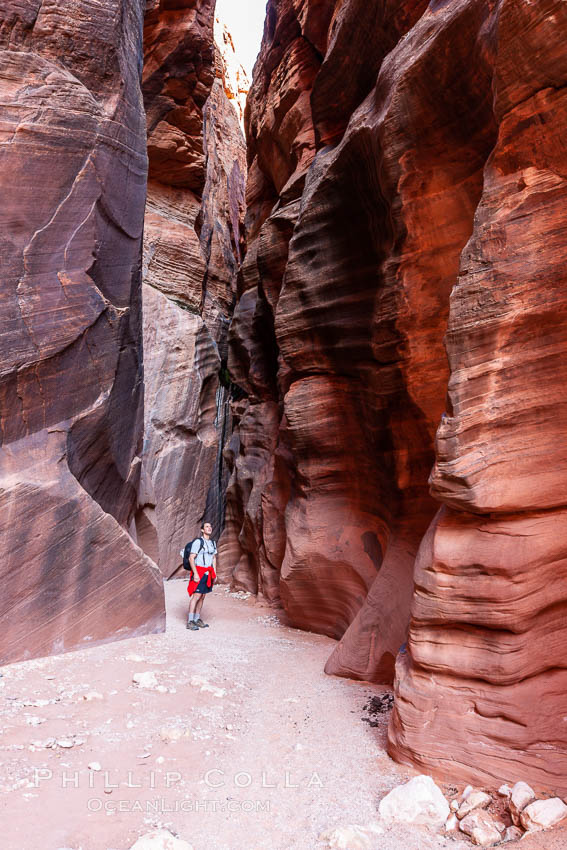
x: 322, y: 305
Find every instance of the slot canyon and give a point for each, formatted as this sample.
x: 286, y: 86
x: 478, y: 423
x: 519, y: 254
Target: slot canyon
x: 328, y: 315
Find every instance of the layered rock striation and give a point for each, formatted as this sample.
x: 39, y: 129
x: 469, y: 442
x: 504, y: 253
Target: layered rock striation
x: 483, y: 687
x: 406, y: 183
x: 192, y: 247
x: 72, y: 189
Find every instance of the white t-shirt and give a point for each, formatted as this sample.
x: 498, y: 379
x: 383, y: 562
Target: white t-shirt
x: 208, y: 551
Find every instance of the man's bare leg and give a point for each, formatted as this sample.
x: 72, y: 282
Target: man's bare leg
x: 193, y: 603
x: 199, y: 606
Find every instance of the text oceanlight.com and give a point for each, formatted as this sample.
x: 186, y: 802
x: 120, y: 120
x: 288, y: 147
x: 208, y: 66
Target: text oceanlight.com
x: 160, y: 805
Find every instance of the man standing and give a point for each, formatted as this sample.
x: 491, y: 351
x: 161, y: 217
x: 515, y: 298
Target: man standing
x: 203, y: 565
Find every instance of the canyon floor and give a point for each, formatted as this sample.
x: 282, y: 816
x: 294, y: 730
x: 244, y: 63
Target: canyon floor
x: 240, y: 743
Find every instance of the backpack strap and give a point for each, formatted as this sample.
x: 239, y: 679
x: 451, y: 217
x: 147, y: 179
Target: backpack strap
x: 187, y: 552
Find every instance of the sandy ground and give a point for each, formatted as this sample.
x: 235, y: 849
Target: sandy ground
x: 245, y: 744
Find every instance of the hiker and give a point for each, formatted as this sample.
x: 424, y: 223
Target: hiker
x: 202, y: 557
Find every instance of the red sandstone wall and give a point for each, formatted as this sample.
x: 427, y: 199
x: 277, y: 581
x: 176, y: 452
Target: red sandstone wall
x: 192, y: 248
x: 72, y: 188
x: 407, y: 182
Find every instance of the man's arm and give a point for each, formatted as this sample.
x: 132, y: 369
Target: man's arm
x: 193, y: 567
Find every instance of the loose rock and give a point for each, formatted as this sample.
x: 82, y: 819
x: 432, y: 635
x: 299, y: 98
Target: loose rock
x: 520, y: 797
x: 170, y: 734
x: 92, y: 695
x: 352, y: 837
x: 419, y: 801
x: 160, y: 839
x: 543, y: 814
x: 451, y: 823
x: 145, y: 680
x: 204, y: 685
x: 475, y: 800
x: 512, y: 833
x: 481, y: 829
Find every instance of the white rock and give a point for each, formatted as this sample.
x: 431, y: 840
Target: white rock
x: 419, y: 801
x: 94, y: 765
x: 451, y: 823
x: 145, y: 680
x: 35, y: 721
x: 454, y: 805
x: 66, y: 743
x: 475, y: 800
x: 521, y: 795
x: 204, y: 685
x: 481, y: 829
x: 160, y: 839
x: 505, y: 791
x: 512, y: 833
x: 170, y: 734
x: 468, y: 790
x: 352, y: 837
x: 543, y: 814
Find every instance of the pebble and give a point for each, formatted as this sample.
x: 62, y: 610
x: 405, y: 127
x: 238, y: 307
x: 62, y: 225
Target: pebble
x: 170, y: 734
x: 146, y: 680
x: 94, y: 765
x: 35, y: 721
x: 352, y: 837
x: 204, y: 685
x: 512, y: 833
x: 160, y: 839
x: 452, y: 823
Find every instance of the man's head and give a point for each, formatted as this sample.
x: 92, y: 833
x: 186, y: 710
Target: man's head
x: 207, y: 529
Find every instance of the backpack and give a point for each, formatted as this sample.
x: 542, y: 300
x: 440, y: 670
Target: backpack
x: 187, y: 551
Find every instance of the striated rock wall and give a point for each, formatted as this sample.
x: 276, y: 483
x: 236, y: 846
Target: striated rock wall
x: 406, y: 181
x: 192, y: 247
x: 72, y: 187
x: 483, y: 687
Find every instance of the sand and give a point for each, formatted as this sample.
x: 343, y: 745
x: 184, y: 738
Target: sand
x: 242, y: 742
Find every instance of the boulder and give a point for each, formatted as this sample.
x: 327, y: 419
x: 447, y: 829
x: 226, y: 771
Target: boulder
x: 419, y: 801
x: 520, y: 796
x: 543, y: 814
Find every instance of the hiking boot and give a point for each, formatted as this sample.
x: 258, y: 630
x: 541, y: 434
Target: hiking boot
x: 191, y: 624
x: 201, y: 625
